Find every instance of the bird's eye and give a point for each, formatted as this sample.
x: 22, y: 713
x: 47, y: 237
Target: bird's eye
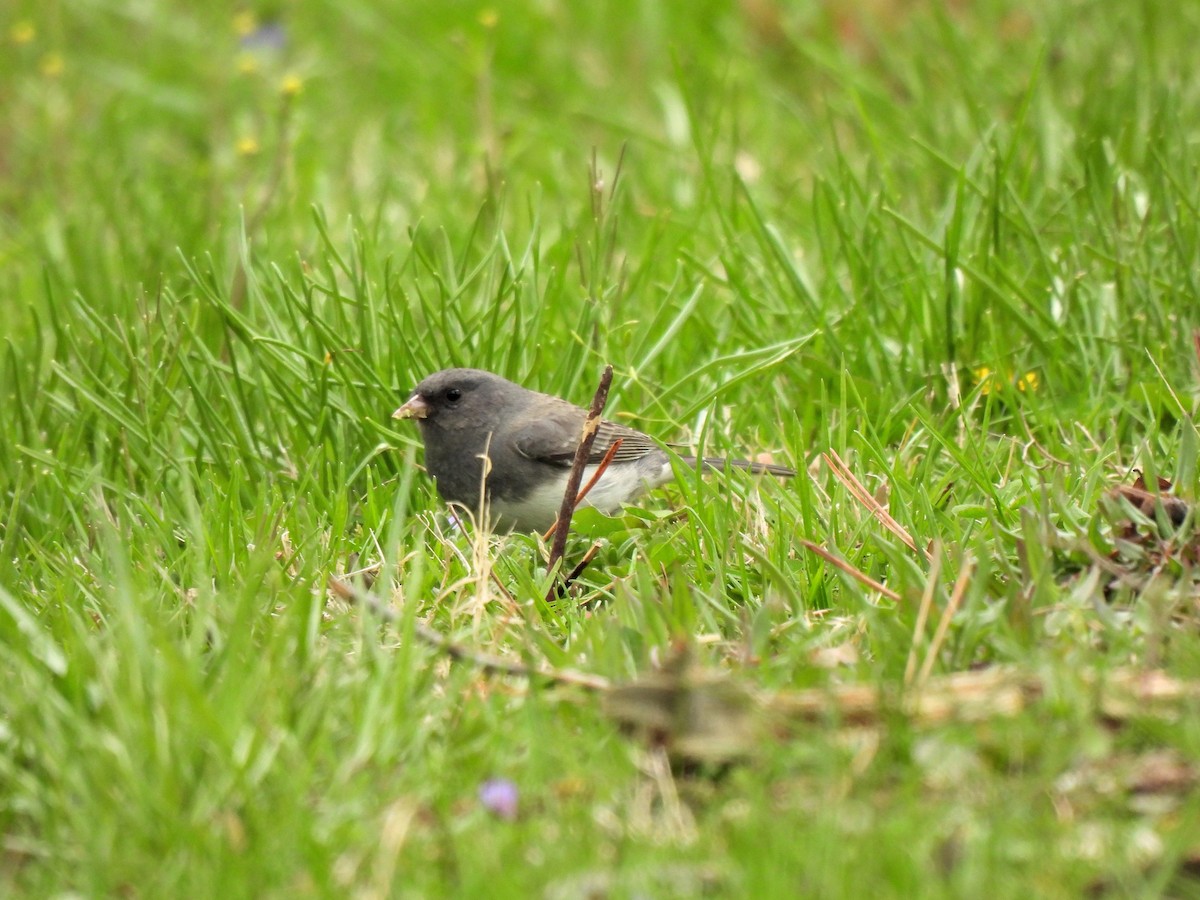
x: 454, y: 395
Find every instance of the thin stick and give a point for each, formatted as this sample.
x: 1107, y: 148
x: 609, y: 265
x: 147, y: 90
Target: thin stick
x: 582, y: 452
x: 485, y: 661
x: 578, y: 570
x: 600, y: 470
x: 850, y: 570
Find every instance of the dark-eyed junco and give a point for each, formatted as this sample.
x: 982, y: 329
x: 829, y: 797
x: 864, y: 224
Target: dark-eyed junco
x: 529, y: 441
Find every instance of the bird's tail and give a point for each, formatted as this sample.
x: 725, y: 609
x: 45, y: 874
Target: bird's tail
x: 720, y: 464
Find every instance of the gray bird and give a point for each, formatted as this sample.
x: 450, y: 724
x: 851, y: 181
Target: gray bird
x: 529, y: 441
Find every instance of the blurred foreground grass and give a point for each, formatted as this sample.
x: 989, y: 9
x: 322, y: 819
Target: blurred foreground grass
x: 954, y: 245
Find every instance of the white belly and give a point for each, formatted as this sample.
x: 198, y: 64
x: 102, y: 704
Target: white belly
x: 617, y: 486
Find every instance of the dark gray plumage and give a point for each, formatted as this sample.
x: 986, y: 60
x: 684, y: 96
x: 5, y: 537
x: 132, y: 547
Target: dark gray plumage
x: 529, y: 440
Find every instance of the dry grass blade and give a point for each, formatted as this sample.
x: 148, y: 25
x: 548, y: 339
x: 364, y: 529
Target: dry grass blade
x: 839, y: 468
x: 939, y: 637
x: 849, y: 569
x: 910, y: 667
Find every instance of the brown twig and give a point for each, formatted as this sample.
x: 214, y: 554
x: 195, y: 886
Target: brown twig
x: 578, y: 570
x: 582, y: 452
x: 849, y: 569
x: 485, y: 661
x: 600, y: 469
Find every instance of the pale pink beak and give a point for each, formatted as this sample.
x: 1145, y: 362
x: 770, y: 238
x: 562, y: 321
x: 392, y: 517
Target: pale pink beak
x: 415, y: 408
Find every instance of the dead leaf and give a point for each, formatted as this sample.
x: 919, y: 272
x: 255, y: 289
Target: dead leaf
x: 1147, y: 502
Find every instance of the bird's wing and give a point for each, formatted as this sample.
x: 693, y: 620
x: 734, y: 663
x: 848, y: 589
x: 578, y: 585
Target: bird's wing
x: 553, y: 439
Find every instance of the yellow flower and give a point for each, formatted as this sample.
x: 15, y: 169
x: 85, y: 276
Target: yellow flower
x: 244, y: 23
x: 22, y: 32
x: 990, y: 381
x: 291, y: 86
x: 983, y: 378
x: 247, y: 146
x: 52, y: 65
x: 247, y: 64
x: 488, y: 18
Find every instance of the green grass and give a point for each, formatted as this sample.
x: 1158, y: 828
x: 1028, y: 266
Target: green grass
x: 957, y: 248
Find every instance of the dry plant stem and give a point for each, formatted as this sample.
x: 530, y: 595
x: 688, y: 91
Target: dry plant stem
x: 939, y: 636
x: 600, y: 469
x: 850, y: 570
x: 571, y: 494
x: 935, y: 568
x: 484, y: 661
x: 512, y: 601
x: 856, y: 487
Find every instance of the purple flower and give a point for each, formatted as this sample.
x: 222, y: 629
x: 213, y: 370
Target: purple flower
x: 500, y: 797
x: 268, y: 36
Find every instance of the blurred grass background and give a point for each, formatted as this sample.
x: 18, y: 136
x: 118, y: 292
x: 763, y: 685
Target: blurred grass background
x: 954, y: 242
